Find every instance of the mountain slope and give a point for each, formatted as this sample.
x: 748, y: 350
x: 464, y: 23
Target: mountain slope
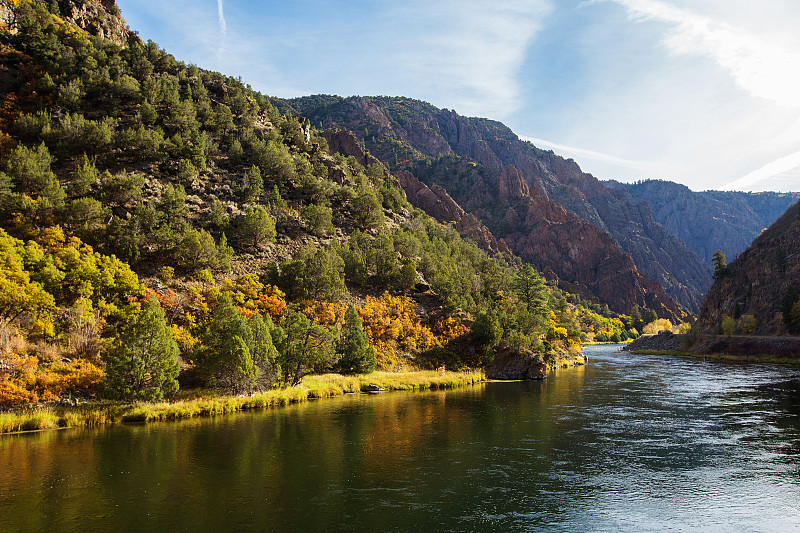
x: 761, y: 281
x: 708, y: 221
x: 400, y: 131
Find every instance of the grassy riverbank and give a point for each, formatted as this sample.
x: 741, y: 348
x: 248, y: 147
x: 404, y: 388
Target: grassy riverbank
x: 204, y: 403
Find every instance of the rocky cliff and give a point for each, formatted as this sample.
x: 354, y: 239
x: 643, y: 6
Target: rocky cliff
x: 708, y: 221
x: 101, y: 18
x: 574, y: 246
x: 757, y: 282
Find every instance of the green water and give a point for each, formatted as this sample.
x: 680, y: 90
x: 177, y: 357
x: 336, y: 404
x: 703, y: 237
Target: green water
x: 627, y: 443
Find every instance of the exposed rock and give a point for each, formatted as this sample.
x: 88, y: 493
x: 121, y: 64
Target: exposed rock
x: 400, y: 131
x: 512, y: 364
x: 758, y: 280
x: 580, y: 257
x: 437, y: 203
x: 346, y: 143
x: 98, y: 17
x: 708, y: 221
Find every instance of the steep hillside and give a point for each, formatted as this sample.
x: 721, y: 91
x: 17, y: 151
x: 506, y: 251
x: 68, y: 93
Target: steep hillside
x: 401, y: 132
x: 759, y: 291
x: 143, y: 198
x: 708, y: 221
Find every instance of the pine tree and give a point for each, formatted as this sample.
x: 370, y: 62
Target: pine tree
x: 256, y: 227
x: 225, y: 356
x: 143, y: 365
x: 255, y: 184
x: 355, y: 354
x: 720, y: 266
x: 531, y: 290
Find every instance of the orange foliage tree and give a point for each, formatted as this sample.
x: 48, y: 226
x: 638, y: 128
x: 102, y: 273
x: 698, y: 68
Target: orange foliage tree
x: 393, y: 326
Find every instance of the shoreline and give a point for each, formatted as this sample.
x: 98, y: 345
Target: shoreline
x: 207, y: 403
x: 203, y: 403
x: 742, y: 348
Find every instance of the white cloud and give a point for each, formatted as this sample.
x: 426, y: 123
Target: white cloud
x: 782, y: 174
x: 762, y: 65
x: 468, y: 52
x: 583, y: 154
x: 223, y: 25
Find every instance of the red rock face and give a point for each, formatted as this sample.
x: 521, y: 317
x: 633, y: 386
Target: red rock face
x: 437, y: 203
x: 532, y: 202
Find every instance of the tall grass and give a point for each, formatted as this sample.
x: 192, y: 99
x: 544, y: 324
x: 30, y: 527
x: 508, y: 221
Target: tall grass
x: 203, y: 403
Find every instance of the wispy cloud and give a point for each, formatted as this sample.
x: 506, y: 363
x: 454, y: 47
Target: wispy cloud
x: 582, y: 153
x: 785, y: 169
x: 468, y: 50
x: 223, y: 25
x: 762, y: 65
x: 613, y: 166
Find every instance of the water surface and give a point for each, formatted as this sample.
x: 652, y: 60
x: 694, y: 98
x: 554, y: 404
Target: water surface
x: 626, y: 443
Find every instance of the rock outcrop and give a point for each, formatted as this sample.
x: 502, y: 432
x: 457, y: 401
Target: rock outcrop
x: 511, y: 364
x: 523, y: 195
x: 101, y: 18
x: 757, y: 282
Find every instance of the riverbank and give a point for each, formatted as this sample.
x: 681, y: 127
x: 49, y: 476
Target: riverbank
x: 204, y: 403
x: 784, y: 350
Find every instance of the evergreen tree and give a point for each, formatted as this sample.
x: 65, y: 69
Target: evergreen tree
x: 225, y: 355
x: 720, y: 266
x: 143, y: 365
x: 256, y: 227
x: 355, y: 354
x: 263, y: 350
x: 530, y: 288
x: 307, y: 347
x: 486, y: 330
x: 636, y: 321
x: 255, y: 184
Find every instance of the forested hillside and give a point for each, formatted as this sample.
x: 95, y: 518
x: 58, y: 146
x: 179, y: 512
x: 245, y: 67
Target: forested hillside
x: 590, y: 230
x: 163, y: 225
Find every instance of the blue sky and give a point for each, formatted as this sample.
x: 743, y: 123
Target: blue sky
x: 703, y: 92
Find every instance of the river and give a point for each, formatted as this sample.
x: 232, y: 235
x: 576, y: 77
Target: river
x: 625, y: 443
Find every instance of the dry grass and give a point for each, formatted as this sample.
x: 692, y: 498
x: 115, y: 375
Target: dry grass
x: 203, y: 403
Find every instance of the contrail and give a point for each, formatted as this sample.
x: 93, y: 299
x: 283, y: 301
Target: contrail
x: 223, y: 26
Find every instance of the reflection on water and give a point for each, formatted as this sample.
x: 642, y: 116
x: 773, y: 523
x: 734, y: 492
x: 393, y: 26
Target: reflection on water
x: 626, y: 443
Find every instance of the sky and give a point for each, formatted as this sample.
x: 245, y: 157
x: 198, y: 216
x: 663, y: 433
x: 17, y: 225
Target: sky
x: 701, y: 92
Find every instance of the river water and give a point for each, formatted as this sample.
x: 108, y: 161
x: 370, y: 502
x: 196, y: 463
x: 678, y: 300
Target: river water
x: 626, y: 443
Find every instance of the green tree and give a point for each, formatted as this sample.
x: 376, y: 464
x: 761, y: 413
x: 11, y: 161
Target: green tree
x: 648, y: 316
x: 531, y: 290
x: 256, y: 227
x: 224, y: 356
x: 263, y: 348
x: 308, y: 347
x: 720, y: 266
x: 255, y: 184
x: 84, y: 178
x: 143, y: 364
x: 318, y: 219
x: 355, y: 354
x: 355, y: 264
x: 407, y: 276
x: 197, y: 250
x: 486, y: 330
x: 636, y: 321
x: 148, y: 114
